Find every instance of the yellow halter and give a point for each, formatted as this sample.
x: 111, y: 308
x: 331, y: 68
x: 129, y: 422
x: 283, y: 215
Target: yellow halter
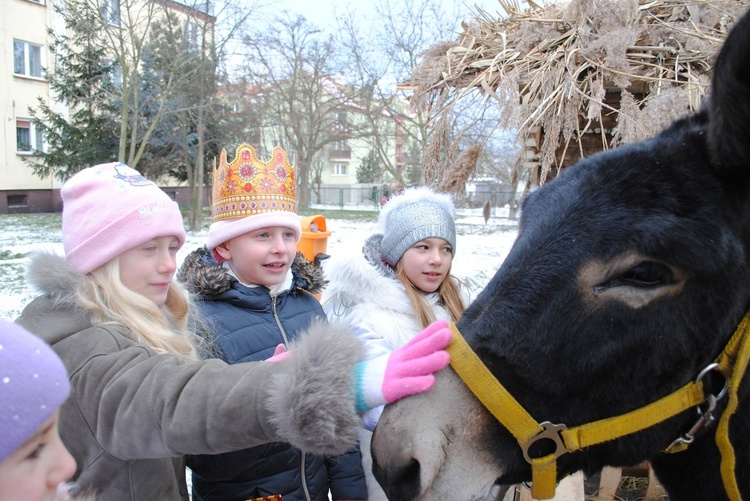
x: 732, y: 364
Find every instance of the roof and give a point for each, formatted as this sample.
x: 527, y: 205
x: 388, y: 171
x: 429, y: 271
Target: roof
x: 560, y: 61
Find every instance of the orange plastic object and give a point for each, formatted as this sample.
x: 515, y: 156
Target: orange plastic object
x: 314, y: 241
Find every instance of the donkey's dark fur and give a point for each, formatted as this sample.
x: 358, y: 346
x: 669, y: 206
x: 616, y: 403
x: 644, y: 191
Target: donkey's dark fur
x: 630, y: 273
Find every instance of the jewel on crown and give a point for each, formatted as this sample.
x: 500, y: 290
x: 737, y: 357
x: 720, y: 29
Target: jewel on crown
x: 248, y: 186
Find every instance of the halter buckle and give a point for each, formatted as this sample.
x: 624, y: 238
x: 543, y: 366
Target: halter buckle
x: 705, y: 417
x: 550, y: 431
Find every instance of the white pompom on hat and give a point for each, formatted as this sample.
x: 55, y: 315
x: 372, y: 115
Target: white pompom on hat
x: 111, y: 208
x: 417, y: 214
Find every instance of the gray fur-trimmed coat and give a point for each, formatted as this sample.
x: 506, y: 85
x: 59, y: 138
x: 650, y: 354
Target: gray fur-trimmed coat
x: 133, y: 414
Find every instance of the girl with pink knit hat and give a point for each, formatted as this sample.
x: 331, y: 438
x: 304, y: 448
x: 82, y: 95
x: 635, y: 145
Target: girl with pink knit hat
x: 141, y: 398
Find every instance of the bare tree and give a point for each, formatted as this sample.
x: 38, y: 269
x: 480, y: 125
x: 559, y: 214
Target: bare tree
x: 381, y: 56
x: 188, y: 45
x: 293, y: 67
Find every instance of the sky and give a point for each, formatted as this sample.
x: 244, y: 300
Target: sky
x: 323, y: 12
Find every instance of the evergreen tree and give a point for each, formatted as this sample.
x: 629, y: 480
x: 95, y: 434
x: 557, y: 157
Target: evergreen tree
x: 369, y: 170
x: 81, y: 81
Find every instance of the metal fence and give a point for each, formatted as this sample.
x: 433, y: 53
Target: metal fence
x: 373, y: 197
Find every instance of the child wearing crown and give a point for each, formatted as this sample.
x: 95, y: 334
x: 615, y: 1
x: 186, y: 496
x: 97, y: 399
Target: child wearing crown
x: 255, y: 292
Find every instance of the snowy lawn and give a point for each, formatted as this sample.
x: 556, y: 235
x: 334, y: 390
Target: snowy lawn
x: 480, y: 247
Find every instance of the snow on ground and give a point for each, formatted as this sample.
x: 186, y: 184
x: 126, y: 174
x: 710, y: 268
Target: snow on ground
x: 480, y: 248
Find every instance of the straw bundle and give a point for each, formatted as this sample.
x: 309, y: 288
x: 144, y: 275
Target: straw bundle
x: 620, y: 69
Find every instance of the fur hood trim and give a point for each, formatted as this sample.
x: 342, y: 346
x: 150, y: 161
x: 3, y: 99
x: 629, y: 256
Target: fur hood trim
x: 364, y: 279
x: 50, y: 274
x: 201, y: 274
x: 311, y: 400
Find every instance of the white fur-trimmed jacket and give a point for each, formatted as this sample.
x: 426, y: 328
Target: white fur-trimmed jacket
x: 132, y: 414
x: 364, y: 293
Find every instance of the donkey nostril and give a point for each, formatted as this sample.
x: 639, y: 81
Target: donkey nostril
x: 402, y: 481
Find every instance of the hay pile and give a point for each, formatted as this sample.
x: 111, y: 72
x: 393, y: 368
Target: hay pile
x: 563, y: 62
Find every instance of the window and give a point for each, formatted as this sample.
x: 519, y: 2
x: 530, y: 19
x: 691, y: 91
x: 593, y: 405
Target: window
x: 17, y: 201
x: 338, y: 123
x: 114, y: 74
x: 192, y: 32
x: 110, y: 10
x: 28, y: 137
x: 339, y: 169
x: 27, y: 59
x: 340, y: 145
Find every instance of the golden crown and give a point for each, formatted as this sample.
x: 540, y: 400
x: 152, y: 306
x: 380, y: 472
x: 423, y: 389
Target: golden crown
x: 250, y: 186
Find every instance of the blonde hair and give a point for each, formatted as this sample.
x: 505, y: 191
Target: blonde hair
x: 165, y: 329
x: 449, y: 293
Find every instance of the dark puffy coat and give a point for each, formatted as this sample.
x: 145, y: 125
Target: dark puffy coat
x: 247, y: 323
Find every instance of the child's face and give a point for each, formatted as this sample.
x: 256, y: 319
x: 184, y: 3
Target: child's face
x: 34, y: 470
x: 148, y: 268
x: 261, y: 257
x: 427, y: 263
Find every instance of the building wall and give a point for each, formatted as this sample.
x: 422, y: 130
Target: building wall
x: 26, y: 21
x: 23, y: 21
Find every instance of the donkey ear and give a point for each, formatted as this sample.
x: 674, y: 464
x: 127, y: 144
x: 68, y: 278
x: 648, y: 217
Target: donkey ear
x: 729, y: 104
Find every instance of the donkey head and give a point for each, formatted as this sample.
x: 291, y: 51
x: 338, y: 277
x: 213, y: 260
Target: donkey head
x: 629, y: 275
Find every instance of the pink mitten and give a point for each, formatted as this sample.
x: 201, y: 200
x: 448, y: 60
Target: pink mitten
x: 279, y: 354
x: 405, y: 371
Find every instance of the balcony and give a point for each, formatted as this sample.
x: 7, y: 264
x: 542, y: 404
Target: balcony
x: 335, y: 155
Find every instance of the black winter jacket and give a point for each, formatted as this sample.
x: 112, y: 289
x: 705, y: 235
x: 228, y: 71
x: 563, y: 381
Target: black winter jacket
x: 247, y: 324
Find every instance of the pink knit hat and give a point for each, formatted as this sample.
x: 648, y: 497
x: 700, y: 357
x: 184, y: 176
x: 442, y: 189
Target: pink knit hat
x: 111, y: 208
x: 33, y: 385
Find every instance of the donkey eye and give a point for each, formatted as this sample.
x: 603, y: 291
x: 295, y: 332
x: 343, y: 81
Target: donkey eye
x: 644, y: 274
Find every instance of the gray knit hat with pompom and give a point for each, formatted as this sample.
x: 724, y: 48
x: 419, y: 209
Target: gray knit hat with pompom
x: 417, y: 214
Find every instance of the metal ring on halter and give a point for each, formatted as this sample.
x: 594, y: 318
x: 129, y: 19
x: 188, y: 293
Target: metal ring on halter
x: 705, y: 371
x: 549, y: 431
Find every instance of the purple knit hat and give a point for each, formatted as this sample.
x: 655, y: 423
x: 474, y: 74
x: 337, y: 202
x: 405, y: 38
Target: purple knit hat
x: 111, y: 208
x: 33, y: 384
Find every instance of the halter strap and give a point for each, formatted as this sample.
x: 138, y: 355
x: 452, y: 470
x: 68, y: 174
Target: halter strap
x: 527, y: 430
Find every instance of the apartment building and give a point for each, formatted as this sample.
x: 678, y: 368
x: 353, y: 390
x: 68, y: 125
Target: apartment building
x: 23, y: 47
x: 24, y: 44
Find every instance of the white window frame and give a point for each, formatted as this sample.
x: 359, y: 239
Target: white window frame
x: 110, y: 11
x: 115, y: 76
x: 339, y: 169
x: 28, y: 58
x: 191, y: 32
x: 36, y: 138
x: 340, y: 145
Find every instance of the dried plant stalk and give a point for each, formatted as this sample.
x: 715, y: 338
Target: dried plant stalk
x: 455, y: 177
x: 564, y: 62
